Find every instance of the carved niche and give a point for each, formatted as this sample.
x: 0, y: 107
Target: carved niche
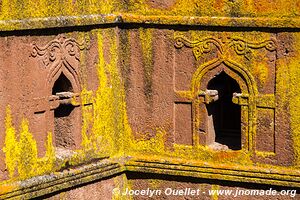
x: 223, y: 96
x: 61, y: 108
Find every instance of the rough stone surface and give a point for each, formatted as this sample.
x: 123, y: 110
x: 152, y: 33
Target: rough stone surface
x: 105, y: 95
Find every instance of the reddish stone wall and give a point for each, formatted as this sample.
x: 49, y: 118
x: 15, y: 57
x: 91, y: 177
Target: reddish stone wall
x: 171, y: 71
x: 94, y: 95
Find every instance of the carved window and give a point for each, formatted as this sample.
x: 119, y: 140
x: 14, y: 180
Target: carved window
x: 61, y: 107
x: 223, y: 93
x: 63, y: 123
x: 62, y: 84
x: 224, y: 117
x: 222, y: 108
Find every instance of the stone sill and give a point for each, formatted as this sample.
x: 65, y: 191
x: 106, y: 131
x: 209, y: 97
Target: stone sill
x: 117, y: 19
x: 42, y: 185
x: 47, y: 184
x: 271, y: 175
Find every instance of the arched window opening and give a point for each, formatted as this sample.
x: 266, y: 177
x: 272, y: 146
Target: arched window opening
x: 63, y: 120
x: 224, y: 116
x: 62, y: 84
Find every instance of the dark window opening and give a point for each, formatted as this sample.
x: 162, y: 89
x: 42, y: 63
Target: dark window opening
x: 63, y: 110
x: 63, y: 123
x: 225, y: 114
x: 62, y: 84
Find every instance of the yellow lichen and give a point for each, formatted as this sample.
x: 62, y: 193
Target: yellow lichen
x: 154, y: 145
x: 103, y: 123
x: 179, y: 9
x: 21, y: 155
x: 120, y: 186
x: 6, y: 188
x: 46, y: 164
x: 261, y: 71
x: 107, y: 116
x: 87, y: 119
x: 293, y: 75
x: 27, y: 152
x: 10, y: 149
x: 215, y: 194
x: 146, y: 43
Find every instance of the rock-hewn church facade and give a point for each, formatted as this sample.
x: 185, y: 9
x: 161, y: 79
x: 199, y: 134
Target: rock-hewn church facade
x: 168, y: 99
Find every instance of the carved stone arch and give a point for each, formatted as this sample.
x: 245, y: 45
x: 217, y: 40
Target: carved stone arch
x: 246, y: 99
x: 68, y: 71
x: 60, y: 59
x: 64, y: 116
x: 234, y: 70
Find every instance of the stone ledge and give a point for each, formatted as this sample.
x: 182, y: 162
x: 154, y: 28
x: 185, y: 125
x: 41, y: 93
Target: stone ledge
x: 127, y: 18
x: 42, y: 185
x: 47, y: 184
x: 238, y: 173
